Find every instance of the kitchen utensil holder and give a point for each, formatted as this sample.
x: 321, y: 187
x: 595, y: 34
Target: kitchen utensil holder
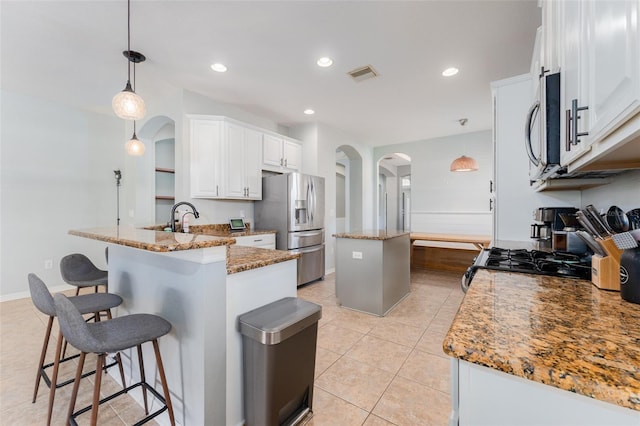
x: 605, y: 271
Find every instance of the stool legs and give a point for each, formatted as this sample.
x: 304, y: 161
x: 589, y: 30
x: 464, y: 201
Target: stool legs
x: 43, y: 354
x: 163, y: 379
x: 143, y: 379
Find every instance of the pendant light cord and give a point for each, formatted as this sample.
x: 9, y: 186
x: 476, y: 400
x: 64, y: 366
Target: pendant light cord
x: 129, y: 44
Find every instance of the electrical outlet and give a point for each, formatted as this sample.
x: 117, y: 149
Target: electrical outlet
x: 356, y: 254
x: 48, y: 264
x: 242, y: 214
x: 132, y: 213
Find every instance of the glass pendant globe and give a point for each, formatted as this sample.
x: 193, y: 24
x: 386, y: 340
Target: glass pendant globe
x: 134, y: 146
x: 128, y: 105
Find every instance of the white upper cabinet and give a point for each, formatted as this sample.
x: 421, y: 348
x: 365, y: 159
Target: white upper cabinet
x: 598, y: 48
x: 614, y: 64
x: 573, y: 80
x: 206, y: 150
x: 281, y: 154
x: 226, y: 159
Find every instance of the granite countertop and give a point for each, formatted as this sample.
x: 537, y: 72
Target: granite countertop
x: 560, y: 332
x: 242, y: 258
x: 216, y: 230
x: 151, y: 240
x: 371, y: 235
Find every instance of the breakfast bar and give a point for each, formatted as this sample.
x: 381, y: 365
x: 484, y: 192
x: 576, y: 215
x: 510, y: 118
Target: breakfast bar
x: 559, y: 342
x: 200, y: 284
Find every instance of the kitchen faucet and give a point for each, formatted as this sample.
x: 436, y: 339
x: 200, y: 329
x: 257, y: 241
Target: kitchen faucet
x: 173, y: 213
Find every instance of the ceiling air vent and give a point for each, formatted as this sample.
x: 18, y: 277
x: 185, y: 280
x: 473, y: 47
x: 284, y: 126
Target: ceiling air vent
x: 363, y: 73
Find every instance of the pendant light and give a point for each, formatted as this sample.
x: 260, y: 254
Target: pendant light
x: 128, y: 104
x: 464, y: 164
x: 134, y: 146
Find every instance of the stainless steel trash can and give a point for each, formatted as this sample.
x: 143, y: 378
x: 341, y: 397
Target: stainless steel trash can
x: 279, y: 357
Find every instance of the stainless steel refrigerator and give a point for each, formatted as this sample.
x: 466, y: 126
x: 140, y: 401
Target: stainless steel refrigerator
x: 293, y: 205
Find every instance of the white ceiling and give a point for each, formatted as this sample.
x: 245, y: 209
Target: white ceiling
x: 70, y: 51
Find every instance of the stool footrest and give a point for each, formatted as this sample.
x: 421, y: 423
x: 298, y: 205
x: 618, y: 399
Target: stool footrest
x: 47, y: 380
x: 72, y: 419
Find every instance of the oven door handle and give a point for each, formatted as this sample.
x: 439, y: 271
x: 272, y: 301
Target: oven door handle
x: 527, y: 133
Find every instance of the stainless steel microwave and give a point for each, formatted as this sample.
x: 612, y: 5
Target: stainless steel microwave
x: 542, y: 129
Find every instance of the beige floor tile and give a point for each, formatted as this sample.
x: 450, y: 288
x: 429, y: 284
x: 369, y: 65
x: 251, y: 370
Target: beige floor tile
x: 357, y: 321
x: 324, y: 360
x: 330, y: 410
x: 409, y: 403
x: 355, y: 382
x: 427, y: 369
x: 337, y: 339
x: 431, y: 342
x: 397, y: 332
x: 379, y: 353
x: 373, y: 420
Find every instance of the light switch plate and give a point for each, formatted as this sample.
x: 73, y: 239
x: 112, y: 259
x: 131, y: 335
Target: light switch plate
x: 356, y: 254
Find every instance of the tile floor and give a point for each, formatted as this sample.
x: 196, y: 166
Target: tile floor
x: 369, y: 370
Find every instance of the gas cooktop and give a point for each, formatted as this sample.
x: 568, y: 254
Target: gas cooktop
x: 557, y: 264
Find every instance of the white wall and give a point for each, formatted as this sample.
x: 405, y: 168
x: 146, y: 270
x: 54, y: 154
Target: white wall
x: 441, y: 200
x: 56, y: 174
x: 623, y: 192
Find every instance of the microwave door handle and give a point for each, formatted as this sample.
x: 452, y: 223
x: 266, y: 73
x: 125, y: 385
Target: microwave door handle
x: 527, y: 133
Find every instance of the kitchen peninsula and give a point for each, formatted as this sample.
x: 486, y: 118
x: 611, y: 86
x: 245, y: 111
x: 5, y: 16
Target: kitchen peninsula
x: 533, y: 349
x: 200, y: 283
x: 372, y: 270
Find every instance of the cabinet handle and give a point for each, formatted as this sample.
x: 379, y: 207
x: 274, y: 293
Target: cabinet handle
x: 567, y: 130
x: 490, y: 186
x: 285, y: 162
x: 490, y: 204
x: 216, y: 190
x: 281, y: 162
x: 575, y: 109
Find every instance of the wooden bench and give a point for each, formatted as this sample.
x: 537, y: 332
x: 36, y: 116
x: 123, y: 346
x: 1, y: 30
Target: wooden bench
x: 449, y: 259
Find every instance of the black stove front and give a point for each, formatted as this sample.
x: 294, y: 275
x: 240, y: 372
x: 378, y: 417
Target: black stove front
x: 557, y: 264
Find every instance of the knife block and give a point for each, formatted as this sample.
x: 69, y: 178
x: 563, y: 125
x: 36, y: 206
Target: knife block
x: 605, y: 271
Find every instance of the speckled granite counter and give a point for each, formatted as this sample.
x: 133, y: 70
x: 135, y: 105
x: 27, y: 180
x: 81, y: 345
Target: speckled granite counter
x: 242, y: 258
x: 217, y: 230
x: 150, y: 240
x: 371, y: 235
x: 564, y: 333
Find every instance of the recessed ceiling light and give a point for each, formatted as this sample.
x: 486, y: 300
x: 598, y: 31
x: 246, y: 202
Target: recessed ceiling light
x: 450, y: 71
x: 219, y: 67
x: 309, y: 111
x: 324, y: 62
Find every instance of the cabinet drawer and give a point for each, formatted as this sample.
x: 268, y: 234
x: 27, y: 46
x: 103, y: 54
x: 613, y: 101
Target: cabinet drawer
x: 260, y: 240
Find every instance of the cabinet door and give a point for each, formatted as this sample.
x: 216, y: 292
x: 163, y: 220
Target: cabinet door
x: 206, y: 142
x: 292, y: 153
x: 614, y: 64
x: 272, y: 151
x: 253, y: 163
x: 234, y: 166
x: 573, y: 76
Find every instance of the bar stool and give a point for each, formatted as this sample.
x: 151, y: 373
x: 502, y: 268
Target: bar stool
x: 79, y: 271
x: 85, y: 304
x: 115, y: 335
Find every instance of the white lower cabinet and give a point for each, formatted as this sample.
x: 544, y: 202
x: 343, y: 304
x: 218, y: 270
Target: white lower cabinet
x: 484, y: 396
x: 258, y: 240
x: 226, y: 159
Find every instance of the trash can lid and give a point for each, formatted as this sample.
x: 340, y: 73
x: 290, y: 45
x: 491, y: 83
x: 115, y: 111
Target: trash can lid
x: 277, y: 321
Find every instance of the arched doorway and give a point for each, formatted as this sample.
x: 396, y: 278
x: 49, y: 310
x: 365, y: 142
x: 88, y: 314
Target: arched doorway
x: 394, y: 192
x: 348, y: 189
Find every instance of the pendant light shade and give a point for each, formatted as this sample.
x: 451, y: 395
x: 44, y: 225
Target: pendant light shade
x: 134, y: 146
x: 128, y: 104
x: 464, y: 164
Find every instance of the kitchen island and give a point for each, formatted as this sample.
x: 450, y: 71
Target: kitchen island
x: 532, y: 349
x: 199, y: 283
x: 372, y: 270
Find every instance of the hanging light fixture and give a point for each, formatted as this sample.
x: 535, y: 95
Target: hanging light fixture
x: 134, y: 146
x: 464, y: 164
x: 128, y: 104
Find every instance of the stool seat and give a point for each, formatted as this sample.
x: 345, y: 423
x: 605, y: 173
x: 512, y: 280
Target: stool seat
x: 117, y: 334
x: 77, y: 270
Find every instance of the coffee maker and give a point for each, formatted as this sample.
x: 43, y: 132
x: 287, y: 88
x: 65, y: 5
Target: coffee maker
x: 552, y: 227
